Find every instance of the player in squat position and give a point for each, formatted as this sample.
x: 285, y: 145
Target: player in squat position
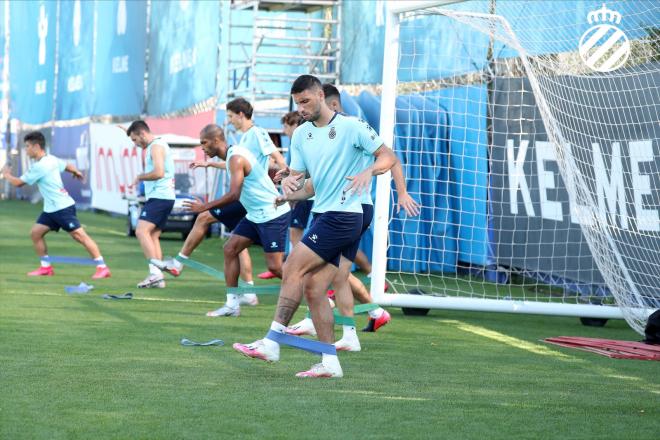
x: 264, y: 223
x: 328, y: 146
x: 59, y: 208
x: 158, y: 178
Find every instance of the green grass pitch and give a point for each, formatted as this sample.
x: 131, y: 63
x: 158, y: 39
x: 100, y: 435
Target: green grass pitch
x: 78, y: 366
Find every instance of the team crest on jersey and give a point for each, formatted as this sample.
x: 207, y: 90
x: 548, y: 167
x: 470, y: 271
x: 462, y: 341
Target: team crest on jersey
x: 309, y: 135
x: 332, y: 133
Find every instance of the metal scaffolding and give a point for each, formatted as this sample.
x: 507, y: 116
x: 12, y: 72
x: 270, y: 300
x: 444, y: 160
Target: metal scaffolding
x: 288, y: 39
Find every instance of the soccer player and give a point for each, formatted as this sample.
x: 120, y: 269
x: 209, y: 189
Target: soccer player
x: 264, y: 224
x: 255, y: 139
x: 328, y: 146
x: 346, y: 286
x: 59, y: 208
x: 229, y: 216
x: 158, y: 178
x: 302, y: 209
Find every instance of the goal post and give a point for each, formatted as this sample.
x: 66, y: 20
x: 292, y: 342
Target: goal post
x: 532, y: 144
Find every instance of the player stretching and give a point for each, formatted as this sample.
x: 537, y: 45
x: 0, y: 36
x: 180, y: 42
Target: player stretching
x: 59, y: 208
x: 301, y: 210
x: 158, y: 181
x: 229, y: 216
x: 264, y: 223
x: 329, y: 146
x: 347, y: 286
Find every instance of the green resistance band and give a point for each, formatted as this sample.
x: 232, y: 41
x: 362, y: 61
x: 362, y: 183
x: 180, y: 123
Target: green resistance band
x: 248, y: 288
x: 202, y: 268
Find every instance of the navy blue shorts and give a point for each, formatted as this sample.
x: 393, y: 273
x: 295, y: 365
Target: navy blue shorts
x: 367, y: 216
x: 300, y: 214
x: 271, y: 235
x: 156, y: 211
x: 64, y: 218
x: 229, y: 215
x: 334, y: 234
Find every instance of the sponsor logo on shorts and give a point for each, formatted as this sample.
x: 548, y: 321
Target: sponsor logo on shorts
x: 273, y: 245
x: 144, y: 214
x: 71, y: 225
x: 313, y: 238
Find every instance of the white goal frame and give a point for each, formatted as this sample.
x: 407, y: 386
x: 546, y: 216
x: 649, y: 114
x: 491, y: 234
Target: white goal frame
x: 382, y: 205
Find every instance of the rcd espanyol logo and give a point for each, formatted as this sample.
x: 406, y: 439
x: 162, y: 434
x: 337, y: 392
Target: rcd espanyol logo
x: 604, y: 47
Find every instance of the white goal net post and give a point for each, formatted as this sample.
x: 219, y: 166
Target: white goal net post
x: 532, y: 144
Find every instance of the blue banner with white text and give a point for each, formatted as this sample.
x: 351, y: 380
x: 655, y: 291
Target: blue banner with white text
x: 183, y: 54
x: 120, y: 62
x: 74, y: 81
x: 32, y: 54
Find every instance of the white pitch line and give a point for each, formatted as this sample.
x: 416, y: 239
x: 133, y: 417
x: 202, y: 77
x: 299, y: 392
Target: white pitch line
x: 507, y: 340
x: 380, y: 395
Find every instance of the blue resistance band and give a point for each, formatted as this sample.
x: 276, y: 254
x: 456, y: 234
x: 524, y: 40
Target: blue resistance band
x: 188, y: 343
x: 128, y: 295
x: 71, y: 260
x: 79, y: 289
x: 302, y: 343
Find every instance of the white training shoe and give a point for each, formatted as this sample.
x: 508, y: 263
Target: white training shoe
x: 320, y: 370
x: 224, y: 311
x: 304, y: 327
x: 152, y: 281
x: 348, y: 345
x: 258, y: 350
x: 248, y: 299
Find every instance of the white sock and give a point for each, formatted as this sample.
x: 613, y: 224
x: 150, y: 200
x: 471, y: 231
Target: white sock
x: 178, y: 264
x: 331, y: 361
x: 153, y: 270
x: 376, y: 313
x: 249, y: 296
x: 99, y: 262
x: 349, y: 332
x: 276, y: 327
x: 45, y: 261
x: 232, y: 301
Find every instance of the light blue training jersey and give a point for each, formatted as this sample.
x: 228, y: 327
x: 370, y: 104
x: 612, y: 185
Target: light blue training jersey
x: 162, y: 188
x: 258, y: 142
x: 258, y: 193
x: 46, y: 174
x: 330, y: 154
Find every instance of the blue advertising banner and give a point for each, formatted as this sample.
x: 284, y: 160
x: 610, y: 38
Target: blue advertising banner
x: 32, y: 51
x: 4, y: 87
x: 71, y: 144
x: 183, y: 54
x: 74, y: 81
x: 119, y: 67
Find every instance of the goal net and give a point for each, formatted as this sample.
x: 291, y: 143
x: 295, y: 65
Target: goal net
x: 529, y: 133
